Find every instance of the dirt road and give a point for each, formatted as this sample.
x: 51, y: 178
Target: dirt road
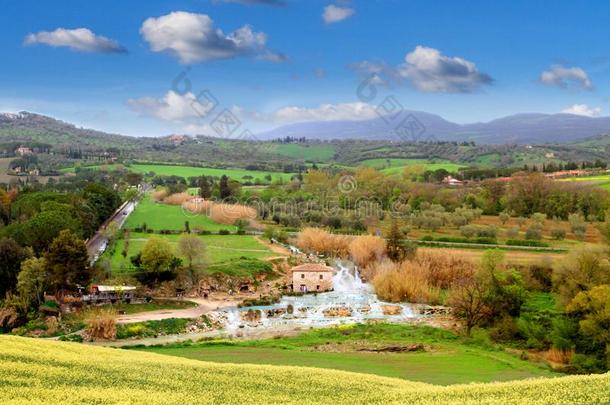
x: 204, y: 306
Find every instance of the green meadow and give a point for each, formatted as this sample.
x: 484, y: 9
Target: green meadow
x: 446, y: 359
x: 191, y: 171
x: 313, y: 153
x: 396, y: 166
x: 219, y: 248
x: 159, y: 216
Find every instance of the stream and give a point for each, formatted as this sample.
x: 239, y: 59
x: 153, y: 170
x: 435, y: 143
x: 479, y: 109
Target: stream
x: 351, y: 301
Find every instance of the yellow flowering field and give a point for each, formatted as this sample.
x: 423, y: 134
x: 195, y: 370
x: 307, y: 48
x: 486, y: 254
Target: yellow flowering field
x: 34, y: 371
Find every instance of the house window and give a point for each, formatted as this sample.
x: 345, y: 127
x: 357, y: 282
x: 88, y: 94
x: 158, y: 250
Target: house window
x: 321, y: 277
x: 317, y: 287
x: 302, y: 275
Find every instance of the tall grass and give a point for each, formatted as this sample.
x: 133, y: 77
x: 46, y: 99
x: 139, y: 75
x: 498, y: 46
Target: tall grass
x: 159, y: 195
x: 101, y: 324
x: 177, y: 198
x: 404, y: 282
x: 229, y: 213
x: 367, y: 249
x: 317, y: 240
x: 198, y: 206
x: 420, y: 280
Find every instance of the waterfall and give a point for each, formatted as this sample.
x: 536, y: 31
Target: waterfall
x: 348, y: 279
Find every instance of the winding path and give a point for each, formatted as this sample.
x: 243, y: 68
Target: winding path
x: 203, y: 307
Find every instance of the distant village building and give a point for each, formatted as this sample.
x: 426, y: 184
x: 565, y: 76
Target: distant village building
x: 452, y: 181
x: 312, y: 277
x: 178, y: 139
x: 23, y: 151
x: 109, y: 293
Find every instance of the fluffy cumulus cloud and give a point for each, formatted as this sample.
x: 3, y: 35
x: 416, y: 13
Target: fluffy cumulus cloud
x: 80, y: 39
x: 583, y: 109
x: 173, y: 106
x: 428, y: 70
x: 194, y: 38
x: 564, y: 77
x: 431, y: 71
x: 334, y: 14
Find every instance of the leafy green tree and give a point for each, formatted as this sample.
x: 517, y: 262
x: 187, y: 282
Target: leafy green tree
x: 593, y: 308
x: 581, y: 270
x: 32, y: 280
x: 604, y: 227
x: 45, y: 226
x: 397, y: 248
x: 157, y: 255
x: 224, y: 188
x: 11, y: 255
x: 102, y: 199
x: 205, y: 189
x: 67, y: 262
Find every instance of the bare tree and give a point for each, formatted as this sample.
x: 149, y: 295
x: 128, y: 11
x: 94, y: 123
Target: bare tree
x: 193, y: 249
x: 468, y: 301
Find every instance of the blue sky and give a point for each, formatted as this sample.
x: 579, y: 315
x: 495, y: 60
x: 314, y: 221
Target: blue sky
x: 301, y: 60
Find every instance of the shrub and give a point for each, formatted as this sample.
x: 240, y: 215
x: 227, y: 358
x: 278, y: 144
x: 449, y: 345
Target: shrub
x: 539, y: 218
x: 534, y: 232
x: 224, y: 232
x: 512, y: 233
x: 581, y: 270
x: 101, y: 324
x: 578, y: 225
x: 530, y: 243
x: 504, y: 217
x: 504, y: 330
x: 558, y: 233
x: 468, y: 231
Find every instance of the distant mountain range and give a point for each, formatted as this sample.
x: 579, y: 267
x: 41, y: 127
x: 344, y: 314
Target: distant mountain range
x: 514, y: 129
x: 531, y: 128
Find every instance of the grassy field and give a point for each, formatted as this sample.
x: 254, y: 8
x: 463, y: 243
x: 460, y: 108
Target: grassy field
x: 191, y: 171
x: 447, y: 361
x: 220, y: 248
x: 159, y: 216
x: 48, y: 372
x: 602, y: 181
x: 396, y: 166
x: 154, y: 305
x: 312, y: 153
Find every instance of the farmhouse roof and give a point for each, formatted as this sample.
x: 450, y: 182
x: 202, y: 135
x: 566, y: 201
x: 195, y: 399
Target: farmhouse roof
x: 313, y: 267
x: 112, y: 288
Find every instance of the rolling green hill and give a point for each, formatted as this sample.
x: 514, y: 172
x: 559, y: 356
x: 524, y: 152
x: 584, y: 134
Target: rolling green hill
x: 46, y: 372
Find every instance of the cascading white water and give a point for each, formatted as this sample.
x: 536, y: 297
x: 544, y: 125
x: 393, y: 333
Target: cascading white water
x: 350, y: 294
x: 348, y: 279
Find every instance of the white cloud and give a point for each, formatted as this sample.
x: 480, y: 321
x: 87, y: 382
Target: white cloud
x: 564, y: 77
x: 583, y: 109
x: 81, y: 39
x: 334, y: 14
x: 194, y: 38
x: 324, y: 112
x: 430, y: 71
x: 172, y: 107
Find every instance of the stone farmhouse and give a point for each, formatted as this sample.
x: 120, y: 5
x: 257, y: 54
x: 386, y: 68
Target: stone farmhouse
x: 312, y: 277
